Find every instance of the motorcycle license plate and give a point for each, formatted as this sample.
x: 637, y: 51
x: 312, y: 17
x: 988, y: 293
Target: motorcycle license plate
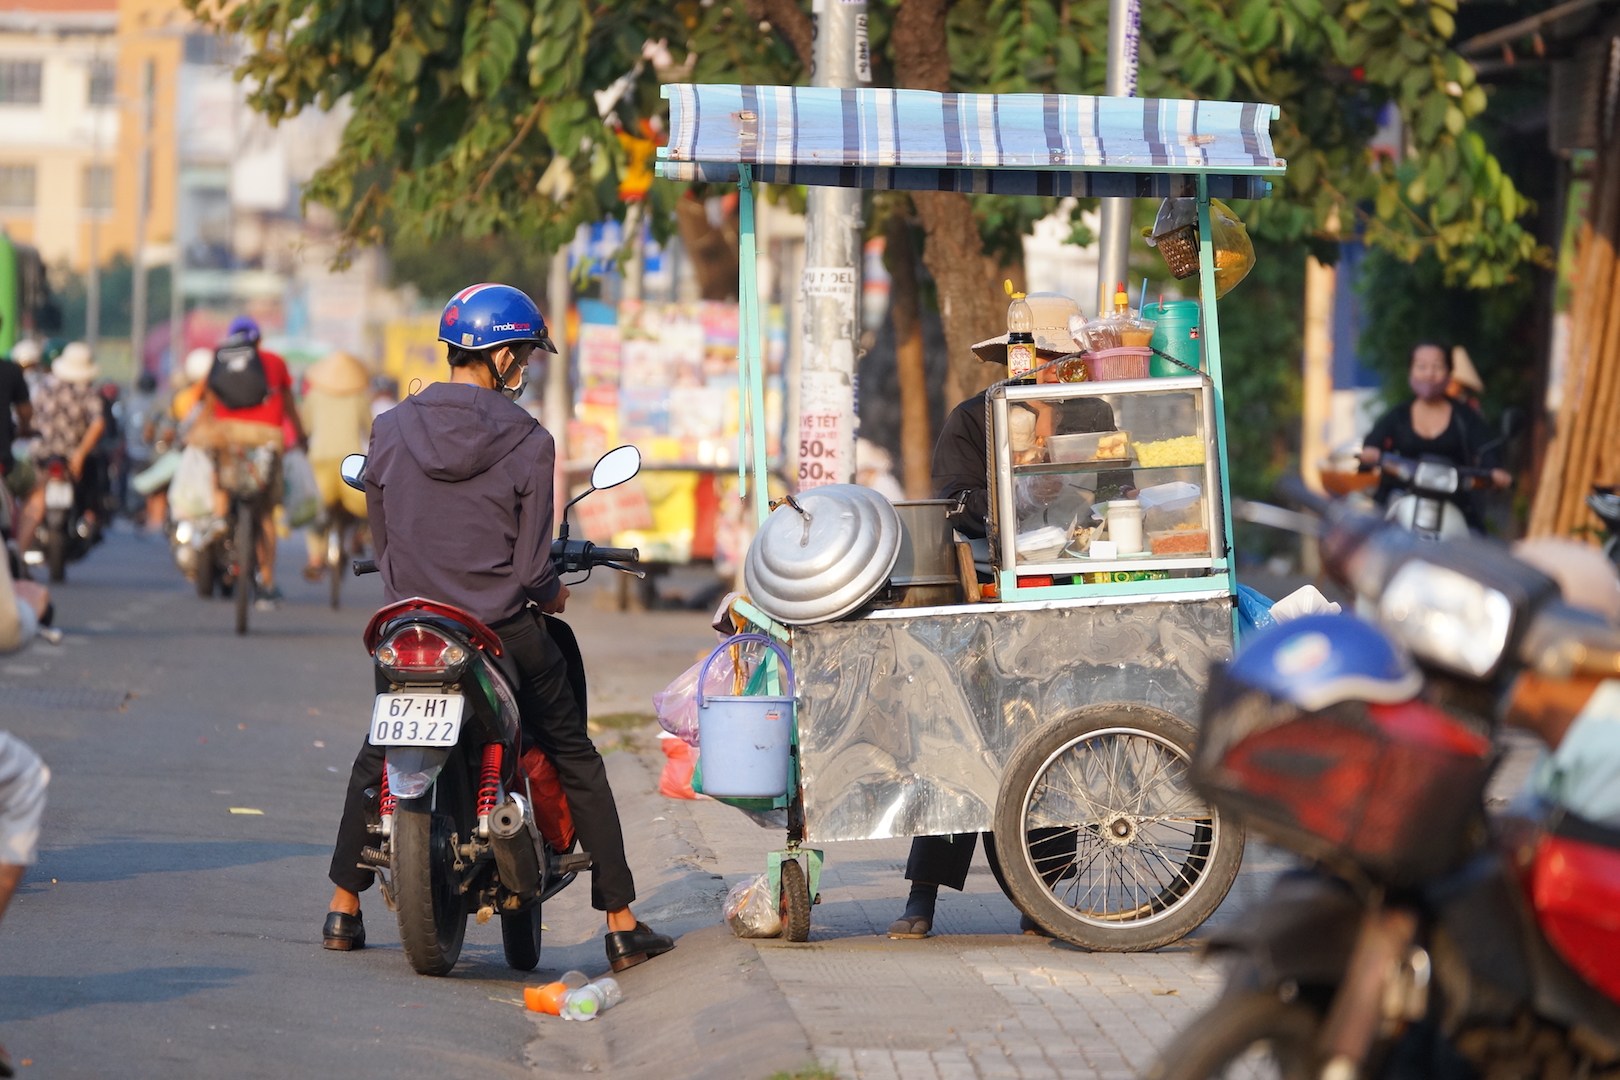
x: 416, y: 719
x: 58, y: 495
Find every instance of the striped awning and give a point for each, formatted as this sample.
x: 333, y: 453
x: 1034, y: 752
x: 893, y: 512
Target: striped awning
x: 1022, y: 144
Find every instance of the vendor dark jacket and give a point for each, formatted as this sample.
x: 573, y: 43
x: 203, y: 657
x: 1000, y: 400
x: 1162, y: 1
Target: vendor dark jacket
x: 458, y: 490
x: 961, y: 458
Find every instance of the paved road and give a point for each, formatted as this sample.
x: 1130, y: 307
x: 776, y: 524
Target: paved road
x: 171, y: 927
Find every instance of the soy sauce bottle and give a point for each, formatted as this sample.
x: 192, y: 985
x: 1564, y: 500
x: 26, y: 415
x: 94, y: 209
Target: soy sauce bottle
x: 1020, y: 339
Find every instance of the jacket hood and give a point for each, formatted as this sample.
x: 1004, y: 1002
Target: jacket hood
x: 456, y: 431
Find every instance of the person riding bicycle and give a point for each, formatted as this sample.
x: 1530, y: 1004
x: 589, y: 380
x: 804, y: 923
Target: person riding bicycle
x: 459, y: 487
x: 251, y: 395
x: 337, y: 411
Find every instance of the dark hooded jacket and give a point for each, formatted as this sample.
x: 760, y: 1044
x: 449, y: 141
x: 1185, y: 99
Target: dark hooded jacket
x: 458, y: 490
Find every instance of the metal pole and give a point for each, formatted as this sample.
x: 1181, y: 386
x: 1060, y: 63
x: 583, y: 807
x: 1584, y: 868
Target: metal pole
x: 832, y: 273
x: 1114, y: 245
x: 177, y: 269
x: 92, y: 282
x: 143, y: 196
x: 559, y: 389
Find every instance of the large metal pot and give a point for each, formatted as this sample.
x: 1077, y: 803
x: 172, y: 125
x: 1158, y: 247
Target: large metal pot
x: 824, y: 557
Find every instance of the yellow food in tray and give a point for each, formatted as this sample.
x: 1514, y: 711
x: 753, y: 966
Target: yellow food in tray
x: 1113, y: 445
x: 1186, y: 450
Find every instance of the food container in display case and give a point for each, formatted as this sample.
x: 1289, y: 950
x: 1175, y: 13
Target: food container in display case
x: 1138, y: 452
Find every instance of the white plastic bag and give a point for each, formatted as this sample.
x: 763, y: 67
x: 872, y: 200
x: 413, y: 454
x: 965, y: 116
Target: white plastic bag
x: 1305, y: 600
x: 302, y: 499
x: 749, y: 910
x: 191, y: 492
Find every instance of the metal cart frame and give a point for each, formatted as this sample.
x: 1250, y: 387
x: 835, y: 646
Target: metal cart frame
x: 1055, y: 145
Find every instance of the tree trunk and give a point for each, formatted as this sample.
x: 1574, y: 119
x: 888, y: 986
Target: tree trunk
x: 916, y: 441
x: 713, y: 251
x: 954, y: 253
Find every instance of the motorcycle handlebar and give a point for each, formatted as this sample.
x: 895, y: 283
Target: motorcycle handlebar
x: 601, y: 555
x: 365, y: 566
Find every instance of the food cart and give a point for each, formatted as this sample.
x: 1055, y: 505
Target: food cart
x: 1060, y: 716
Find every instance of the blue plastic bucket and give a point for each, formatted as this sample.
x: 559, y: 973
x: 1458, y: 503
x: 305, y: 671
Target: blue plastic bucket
x: 1176, y: 334
x: 745, y: 742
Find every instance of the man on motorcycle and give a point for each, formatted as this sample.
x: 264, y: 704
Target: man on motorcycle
x: 458, y: 488
x: 68, y: 417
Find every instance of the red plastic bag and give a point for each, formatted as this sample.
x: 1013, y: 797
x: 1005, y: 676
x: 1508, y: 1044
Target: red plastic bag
x: 551, y: 811
x: 680, y: 760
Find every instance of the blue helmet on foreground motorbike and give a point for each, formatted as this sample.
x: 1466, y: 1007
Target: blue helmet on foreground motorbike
x: 489, y: 315
x: 1321, y: 660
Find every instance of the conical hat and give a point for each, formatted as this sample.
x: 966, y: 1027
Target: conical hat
x: 338, y: 373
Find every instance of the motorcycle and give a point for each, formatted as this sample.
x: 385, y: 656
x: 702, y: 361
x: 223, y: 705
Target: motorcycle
x: 1424, y: 939
x: 461, y: 827
x: 1424, y: 507
x: 66, y: 534
x: 1605, y: 503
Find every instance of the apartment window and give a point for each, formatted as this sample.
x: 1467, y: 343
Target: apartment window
x: 16, y: 188
x: 19, y: 82
x: 103, y: 82
x: 98, y: 188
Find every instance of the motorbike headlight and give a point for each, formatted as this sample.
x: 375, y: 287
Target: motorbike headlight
x: 183, y: 532
x: 1435, y: 476
x: 1447, y: 617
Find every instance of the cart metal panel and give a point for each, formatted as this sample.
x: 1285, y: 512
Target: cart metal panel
x: 906, y: 719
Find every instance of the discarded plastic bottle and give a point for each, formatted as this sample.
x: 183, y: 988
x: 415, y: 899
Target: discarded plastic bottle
x: 593, y: 998
x: 548, y: 998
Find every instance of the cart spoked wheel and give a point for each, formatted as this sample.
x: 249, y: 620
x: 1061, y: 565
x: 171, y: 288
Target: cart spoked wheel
x: 795, y: 902
x: 1100, y: 836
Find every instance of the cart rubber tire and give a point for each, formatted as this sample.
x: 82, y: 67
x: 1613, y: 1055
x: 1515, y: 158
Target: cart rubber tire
x: 520, y: 936
x: 1238, y: 1022
x: 795, y: 902
x: 246, y: 556
x: 432, y: 913
x: 1217, y: 850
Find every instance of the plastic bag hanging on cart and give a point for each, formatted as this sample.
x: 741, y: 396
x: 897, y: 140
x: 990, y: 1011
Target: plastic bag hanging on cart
x: 1175, y: 234
x: 677, y: 704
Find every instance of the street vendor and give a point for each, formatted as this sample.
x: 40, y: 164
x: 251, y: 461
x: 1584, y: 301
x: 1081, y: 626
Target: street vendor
x: 960, y: 474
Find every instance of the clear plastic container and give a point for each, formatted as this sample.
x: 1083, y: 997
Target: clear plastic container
x: 592, y: 999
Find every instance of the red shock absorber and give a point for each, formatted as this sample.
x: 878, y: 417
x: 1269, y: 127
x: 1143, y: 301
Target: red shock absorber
x: 489, y: 790
x: 385, y: 801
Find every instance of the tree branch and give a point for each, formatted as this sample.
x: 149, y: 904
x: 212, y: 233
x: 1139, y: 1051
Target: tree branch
x: 506, y: 151
x: 790, y: 20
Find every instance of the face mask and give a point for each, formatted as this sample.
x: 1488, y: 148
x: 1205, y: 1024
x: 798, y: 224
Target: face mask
x: 512, y: 392
x: 1426, y: 388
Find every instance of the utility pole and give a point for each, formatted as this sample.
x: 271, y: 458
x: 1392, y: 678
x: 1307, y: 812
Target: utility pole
x: 559, y: 391
x: 92, y: 279
x: 177, y: 269
x: 1114, y: 245
x: 832, y: 272
x: 143, y: 197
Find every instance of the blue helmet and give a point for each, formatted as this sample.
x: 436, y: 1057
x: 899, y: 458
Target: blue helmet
x: 245, y: 327
x: 487, y: 315
x: 1320, y: 660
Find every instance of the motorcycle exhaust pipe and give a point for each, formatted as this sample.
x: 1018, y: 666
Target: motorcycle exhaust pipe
x: 511, y: 829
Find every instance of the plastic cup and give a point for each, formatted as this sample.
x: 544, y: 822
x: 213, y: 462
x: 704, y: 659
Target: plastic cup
x: 1125, y: 525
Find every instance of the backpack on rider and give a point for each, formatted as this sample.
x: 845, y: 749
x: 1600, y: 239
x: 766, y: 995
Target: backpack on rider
x: 237, y: 378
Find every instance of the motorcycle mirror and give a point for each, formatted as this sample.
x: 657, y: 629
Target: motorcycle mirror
x: 353, y: 470
x: 1513, y: 419
x: 614, y: 467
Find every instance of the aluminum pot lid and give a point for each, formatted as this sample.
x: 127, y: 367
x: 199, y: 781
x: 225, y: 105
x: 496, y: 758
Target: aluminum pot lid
x: 823, y: 563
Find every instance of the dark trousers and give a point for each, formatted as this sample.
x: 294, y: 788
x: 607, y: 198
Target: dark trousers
x: 944, y: 860
x: 551, y: 701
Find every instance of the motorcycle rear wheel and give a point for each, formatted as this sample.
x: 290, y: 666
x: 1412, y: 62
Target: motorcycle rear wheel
x: 1244, y: 1034
x: 520, y: 935
x: 56, y: 554
x: 432, y: 913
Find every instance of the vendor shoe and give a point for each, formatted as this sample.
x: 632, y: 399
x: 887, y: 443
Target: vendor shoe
x: 627, y: 948
x: 910, y: 927
x: 343, y: 932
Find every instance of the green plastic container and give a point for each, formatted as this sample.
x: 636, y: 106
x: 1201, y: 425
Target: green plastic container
x: 1177, y: 334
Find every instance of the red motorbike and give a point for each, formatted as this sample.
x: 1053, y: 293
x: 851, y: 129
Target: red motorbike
x: 468, y: 822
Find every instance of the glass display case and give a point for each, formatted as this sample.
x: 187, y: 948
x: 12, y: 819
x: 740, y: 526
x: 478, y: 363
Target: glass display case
x: 1097, y: 483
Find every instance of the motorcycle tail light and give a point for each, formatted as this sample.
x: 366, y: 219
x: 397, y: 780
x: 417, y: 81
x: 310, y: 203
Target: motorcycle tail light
x: 420, y: 650
x: 56, y: 470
